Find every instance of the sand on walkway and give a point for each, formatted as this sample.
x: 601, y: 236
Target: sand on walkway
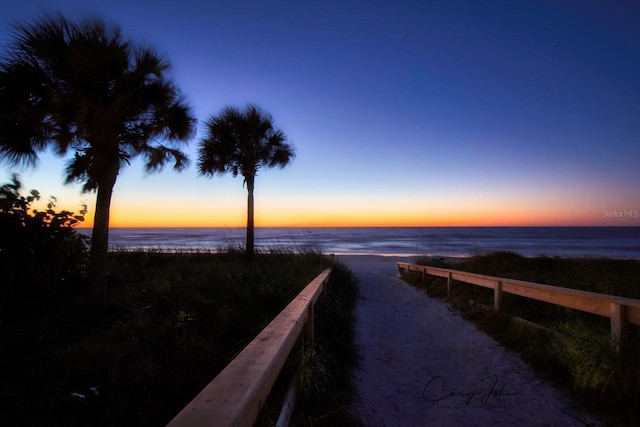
x: 422, y: 364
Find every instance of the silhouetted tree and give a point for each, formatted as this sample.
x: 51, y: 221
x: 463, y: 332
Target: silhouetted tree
x: 241, y: 142
x: 81, y: 87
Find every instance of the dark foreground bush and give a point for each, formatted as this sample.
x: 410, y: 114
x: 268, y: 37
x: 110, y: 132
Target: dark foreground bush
x: 171, y: 323
x: 572, y: 348
x: 42, y: 257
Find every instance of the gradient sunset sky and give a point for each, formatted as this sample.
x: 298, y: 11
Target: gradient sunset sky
x: 422, y: 113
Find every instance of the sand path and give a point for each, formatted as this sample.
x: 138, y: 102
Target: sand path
x: 424, y: 365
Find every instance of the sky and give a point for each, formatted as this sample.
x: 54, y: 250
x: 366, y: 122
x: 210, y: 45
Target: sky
x: 402, y: 113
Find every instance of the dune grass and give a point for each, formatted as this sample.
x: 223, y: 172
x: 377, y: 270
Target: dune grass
x: 571, y: 348
x: 172, y: 321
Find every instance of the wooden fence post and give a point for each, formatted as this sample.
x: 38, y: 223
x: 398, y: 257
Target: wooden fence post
x: 497, y: 296
x: 449, y: 284
x: 618, y: 323
x: 309, y: 335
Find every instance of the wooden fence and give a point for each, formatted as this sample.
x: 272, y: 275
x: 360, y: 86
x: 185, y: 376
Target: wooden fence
x: 620, y: 310
x: 236, y: 395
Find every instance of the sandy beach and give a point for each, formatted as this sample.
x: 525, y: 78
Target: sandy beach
x: 422, y: 364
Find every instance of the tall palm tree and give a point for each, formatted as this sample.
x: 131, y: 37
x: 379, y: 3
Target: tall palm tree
x: 81, y: 87
x: 241, y: 142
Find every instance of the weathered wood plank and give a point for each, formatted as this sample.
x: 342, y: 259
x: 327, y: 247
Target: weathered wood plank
x: 589, y: 302
x: 474, y: 279
x: 236, y: 395
x: 439, y: 272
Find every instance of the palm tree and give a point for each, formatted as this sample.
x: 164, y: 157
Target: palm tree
x: 241, y: 142
x: 81, y: 87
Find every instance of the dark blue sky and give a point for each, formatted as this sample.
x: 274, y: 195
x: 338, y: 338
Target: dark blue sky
x: 404, y: 112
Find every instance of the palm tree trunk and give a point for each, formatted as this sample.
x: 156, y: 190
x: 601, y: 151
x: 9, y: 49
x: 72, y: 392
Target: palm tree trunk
x: 97, y: 273
x: 250, y: 224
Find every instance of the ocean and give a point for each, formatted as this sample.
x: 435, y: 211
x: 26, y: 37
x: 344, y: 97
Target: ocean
x: 614, y: 242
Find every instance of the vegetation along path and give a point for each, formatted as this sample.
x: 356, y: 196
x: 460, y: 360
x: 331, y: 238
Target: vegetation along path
x: 422, y: 364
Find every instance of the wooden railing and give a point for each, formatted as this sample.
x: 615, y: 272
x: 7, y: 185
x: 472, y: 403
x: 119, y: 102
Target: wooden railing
x: 620, y: 310
x: 236, y: 395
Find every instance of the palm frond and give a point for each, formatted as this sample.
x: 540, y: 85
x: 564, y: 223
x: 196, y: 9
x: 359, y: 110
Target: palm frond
x: 78, y: 170
x: 157, y: 156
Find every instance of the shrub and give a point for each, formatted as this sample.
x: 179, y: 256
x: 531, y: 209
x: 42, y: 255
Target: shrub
x: 39, y: 250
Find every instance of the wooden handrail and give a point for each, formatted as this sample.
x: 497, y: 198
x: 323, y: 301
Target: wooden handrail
x: 620, y: 310
x: 236, y: 395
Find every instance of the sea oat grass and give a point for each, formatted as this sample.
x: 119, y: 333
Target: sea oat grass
x: 570, y: 347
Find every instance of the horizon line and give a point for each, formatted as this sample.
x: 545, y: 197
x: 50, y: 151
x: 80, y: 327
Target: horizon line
x: 371, y: 226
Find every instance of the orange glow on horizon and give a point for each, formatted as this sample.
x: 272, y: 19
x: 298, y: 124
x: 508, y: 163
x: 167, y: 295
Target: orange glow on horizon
x: 338, y: 224
x: 400, y: 211
x: 357, y: 219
